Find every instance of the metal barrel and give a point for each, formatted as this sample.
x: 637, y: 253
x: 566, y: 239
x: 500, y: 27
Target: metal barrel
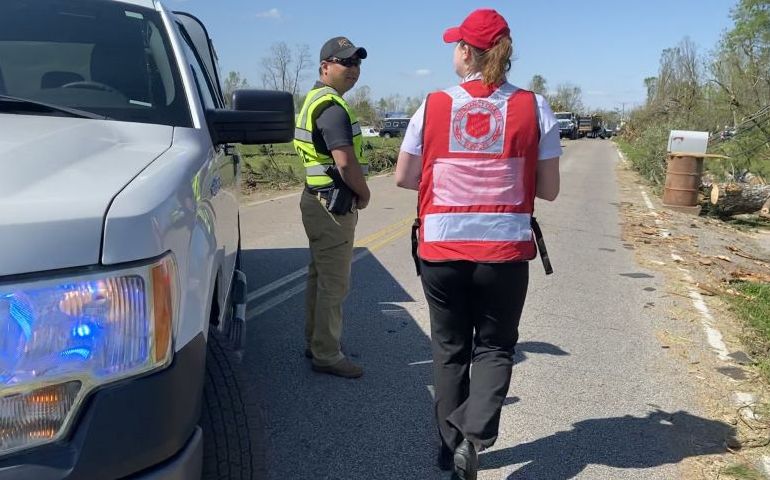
x: 683, y: 176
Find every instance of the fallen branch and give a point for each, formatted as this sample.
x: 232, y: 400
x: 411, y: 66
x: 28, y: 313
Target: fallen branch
x: 743, y: 254
x: 709, y: 290
x: 753, y: 277
x: 736, y: 198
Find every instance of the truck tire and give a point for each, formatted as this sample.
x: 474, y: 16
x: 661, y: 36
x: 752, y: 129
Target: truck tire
x: 229, y: 429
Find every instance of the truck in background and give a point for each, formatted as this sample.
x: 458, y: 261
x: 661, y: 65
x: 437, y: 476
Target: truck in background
x: 589, y: 126
x: 568, y: 125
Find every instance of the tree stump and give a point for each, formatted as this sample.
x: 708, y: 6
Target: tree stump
x: 736, y: 198
x: 765, y: 210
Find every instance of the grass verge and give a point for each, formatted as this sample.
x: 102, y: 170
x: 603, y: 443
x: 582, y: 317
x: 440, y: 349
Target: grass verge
x: 740, y: 471
x: 753, y: 307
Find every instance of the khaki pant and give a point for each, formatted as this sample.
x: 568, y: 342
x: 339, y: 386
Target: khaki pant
x: 331, y: 252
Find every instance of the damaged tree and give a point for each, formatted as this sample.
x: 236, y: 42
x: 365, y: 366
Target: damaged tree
x: 737, y: 198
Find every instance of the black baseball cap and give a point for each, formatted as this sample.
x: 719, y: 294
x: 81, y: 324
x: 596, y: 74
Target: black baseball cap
x: 341, y: 47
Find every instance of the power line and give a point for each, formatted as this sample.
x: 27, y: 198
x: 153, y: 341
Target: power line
x: 747, y: 125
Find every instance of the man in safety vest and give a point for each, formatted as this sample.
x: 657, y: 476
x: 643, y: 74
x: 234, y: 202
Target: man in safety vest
x: 328, y: 139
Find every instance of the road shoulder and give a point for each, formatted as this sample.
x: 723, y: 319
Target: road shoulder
x: 697, y: 256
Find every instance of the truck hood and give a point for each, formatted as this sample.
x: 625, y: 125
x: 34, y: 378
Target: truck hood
x: 58, y: 176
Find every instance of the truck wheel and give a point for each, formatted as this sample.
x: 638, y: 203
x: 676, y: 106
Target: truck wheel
x: 229, y: 429
x: 387, y: 135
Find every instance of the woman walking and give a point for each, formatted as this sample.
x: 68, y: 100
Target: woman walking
x: 478, y: 153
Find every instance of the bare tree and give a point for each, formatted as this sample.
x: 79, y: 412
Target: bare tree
x: 233, y: 82
x: 361, y: 103
x: 538, y: 84
x: 568, y: 98
x: 651, y: 84
x: 284, y: 68
x: 678, y: 84
x: 391, y: 104
x: 412, y: 104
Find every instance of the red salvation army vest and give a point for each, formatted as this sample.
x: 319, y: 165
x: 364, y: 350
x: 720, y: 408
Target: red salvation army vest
x: 477, y: 189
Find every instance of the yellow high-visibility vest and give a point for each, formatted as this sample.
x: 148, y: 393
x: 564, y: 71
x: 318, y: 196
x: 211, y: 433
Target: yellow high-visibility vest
x: 314, y: 161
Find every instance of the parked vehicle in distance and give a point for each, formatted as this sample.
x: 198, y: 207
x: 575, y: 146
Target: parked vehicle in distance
x: 369, y: 131
x: 394, y: 127
x: 121, y: 289
x: 568, y: 125
x: 589, y: 126
x: 606, y: 132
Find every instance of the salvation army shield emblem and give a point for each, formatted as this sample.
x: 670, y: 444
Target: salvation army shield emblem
x: 477, y: 124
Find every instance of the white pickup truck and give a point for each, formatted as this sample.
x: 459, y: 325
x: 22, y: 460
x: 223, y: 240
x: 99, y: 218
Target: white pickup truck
x: 119, y: 238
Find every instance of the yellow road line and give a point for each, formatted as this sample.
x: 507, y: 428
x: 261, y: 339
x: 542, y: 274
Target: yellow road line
x: 371, y: 243
x: 389, y: 239
x: 383, y: 232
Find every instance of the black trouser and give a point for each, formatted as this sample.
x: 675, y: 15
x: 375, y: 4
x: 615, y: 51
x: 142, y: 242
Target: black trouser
x: 474, y: 318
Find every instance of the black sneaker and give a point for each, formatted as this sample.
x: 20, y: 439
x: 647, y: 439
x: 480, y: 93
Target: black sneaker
x: 466, y: 461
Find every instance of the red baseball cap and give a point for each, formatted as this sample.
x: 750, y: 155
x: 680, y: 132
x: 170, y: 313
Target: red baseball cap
x: 482, y: 29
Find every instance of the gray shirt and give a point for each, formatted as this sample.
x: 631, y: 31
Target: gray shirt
x: 333, y: 129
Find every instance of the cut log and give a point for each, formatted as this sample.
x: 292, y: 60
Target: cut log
x: 737, y: 198
x: 765, y: 210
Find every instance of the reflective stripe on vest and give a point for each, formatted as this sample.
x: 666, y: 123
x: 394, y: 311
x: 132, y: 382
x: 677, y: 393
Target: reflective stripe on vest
x: 477, y: 227
x: 315, y: 162
x: 477, y: 187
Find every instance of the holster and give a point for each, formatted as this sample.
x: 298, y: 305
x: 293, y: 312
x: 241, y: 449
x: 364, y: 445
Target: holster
x: 341, y: 198
x: 415, y: 243
x: 541, y: 246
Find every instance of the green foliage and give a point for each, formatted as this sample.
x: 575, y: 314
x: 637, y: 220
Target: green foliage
x: 381, y: 153
x: 233, y: 82
x: 647, y: 153
x: 753, y: 307
x: 731, y: 94
x: 278, y: 166
x: 740, y: 471
x: 264, y: 168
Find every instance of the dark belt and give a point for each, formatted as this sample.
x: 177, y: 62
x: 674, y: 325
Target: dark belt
x: 320, y: 194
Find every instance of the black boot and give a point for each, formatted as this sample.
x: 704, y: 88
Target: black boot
x: 444, y: 457
x: 466, y: 461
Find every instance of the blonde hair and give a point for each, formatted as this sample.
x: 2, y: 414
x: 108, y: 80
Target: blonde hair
x: 493, y: 63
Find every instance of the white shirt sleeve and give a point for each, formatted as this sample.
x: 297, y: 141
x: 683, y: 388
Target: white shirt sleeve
x: 550, y: 144
x: 413, y: 136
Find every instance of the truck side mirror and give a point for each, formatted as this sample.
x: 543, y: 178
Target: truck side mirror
x: 258, y: 117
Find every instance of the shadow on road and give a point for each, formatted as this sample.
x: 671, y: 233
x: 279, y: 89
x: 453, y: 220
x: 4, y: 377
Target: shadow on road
x: 622, y: 442
x: 381, y: 426
x: 319, y: 426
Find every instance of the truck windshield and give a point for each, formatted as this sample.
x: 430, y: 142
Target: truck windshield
x: 112, y: 59
x: 563, y: 116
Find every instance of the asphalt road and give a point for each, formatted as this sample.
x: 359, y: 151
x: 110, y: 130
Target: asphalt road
x: 593, y: 394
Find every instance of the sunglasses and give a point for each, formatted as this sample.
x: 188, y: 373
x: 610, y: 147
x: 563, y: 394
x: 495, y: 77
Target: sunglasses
x: 346, y: 62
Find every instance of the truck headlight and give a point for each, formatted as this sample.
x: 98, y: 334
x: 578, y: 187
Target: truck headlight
x: 61, y: 338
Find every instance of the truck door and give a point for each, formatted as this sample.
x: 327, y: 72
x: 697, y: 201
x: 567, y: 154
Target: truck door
x: 223, y: 180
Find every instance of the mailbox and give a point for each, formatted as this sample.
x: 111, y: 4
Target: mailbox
x: 688, y: 141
